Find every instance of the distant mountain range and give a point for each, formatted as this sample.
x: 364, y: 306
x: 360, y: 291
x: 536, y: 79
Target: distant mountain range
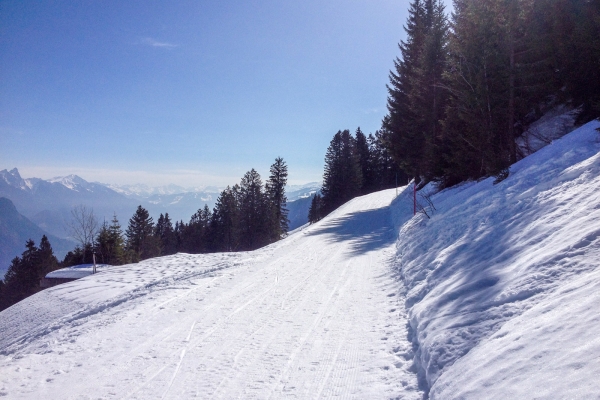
x: 48, y: 203
x: 15, y: 230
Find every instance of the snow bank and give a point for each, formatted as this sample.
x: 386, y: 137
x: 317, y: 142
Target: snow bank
x: 70, y: 302
x: 503, y: 279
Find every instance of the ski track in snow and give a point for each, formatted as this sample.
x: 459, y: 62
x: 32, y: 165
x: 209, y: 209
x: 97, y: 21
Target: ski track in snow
x: 316, y: 315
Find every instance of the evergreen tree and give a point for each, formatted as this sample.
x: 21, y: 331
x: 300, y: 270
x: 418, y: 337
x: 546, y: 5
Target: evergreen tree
x: 253, y: 215
x: 342, y: 178
x: 109, y: 246
x: 165, y: 235
x: 427, y: 98
x: 224, y: 226
x: 275, y: 192
x: 314, y: 212
x: 572, y: 28
x: 179, y: 235
x: 24, y: 274
x: 405, y: 140
x: 140, y: 241
x: 196, y: 232
x: 386, y: 172
x: 365, y: 161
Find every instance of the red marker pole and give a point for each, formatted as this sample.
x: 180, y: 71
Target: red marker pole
x: 415, y: 197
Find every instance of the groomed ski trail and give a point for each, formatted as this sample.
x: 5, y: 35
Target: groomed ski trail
x: 316, y: 315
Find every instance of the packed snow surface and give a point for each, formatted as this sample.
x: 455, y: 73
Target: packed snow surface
x: 494, y: 294
x: 318, y: 314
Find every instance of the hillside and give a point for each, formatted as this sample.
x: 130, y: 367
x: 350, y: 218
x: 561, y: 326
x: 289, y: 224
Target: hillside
x: 503, y: 284
x: 495, y: 296
x: 15, y: 230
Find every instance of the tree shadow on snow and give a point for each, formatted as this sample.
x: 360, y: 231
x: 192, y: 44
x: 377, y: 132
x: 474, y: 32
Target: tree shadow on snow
x: 366, y: 230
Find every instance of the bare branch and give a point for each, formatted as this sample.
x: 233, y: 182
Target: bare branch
x: 83, y: 225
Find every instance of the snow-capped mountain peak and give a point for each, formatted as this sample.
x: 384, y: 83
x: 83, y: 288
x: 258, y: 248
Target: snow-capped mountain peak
x: 72, y: 181
x: 13, y: 178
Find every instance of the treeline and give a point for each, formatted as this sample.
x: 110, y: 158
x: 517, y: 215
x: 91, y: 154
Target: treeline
x: 246, y: 216
x: 354, y: 165
x: 23, y: 276
x: 463, y: 90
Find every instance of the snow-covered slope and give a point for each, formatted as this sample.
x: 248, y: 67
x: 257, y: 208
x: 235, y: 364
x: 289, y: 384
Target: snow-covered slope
x: 318, y: 314
x: 496, y: 296
x: 504, y: 281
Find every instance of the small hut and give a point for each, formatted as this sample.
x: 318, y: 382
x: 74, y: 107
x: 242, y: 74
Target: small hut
x: 69, y: 274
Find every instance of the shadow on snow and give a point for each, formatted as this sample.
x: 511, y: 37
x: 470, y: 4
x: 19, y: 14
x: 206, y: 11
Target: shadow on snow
x: 366, y: 230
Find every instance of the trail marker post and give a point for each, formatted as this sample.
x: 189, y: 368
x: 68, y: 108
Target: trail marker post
x: 415, y: 197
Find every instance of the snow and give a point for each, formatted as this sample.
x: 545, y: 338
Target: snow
x: 77, y: 271
x: 500, y: 279
x: 553, y: 125
x: 494, y: 296
x: 72, y: 182
x: 318, y: 314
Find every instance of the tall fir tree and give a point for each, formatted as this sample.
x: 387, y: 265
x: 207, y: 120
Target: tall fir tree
x: 405, y: 140
x: 140, y: 240
x: 314, y: 212
x: 164, y: 233
x: 253, y: 216
x: 427, y: 98
x: 365, y: 161
x: 109, y: 245
x: 224, y: 222
x: 277, y: 200
x: 342, y: 178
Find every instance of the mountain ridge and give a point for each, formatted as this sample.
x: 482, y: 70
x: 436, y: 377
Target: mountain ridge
x: 16, y: 229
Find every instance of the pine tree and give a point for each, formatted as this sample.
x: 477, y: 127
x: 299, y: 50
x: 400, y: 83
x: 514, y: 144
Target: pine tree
x: 224, y: 222
x: 140, y: 240
x: 497, y: 73
x: 165, y: 235
x: 573, y: 28
x: 342, y: 178
x: 253, y: 215
x: 427, y: 98
x: 314, y: 212
x: 365, y: 161
x: 117, y: 244
x: 24, y: 274
x: 405, y: 140
x: 275, y: 192
x: 387, y: 174
x: 196, y: 235
x: 179, y: 234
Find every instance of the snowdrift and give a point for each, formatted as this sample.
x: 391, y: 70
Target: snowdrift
x: 503, y: 284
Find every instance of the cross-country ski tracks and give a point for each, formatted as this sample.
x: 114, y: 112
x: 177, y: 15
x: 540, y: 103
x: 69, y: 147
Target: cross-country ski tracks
x: 307, y: 317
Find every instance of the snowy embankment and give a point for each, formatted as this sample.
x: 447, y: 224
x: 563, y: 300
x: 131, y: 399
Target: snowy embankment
x: 503, y: 282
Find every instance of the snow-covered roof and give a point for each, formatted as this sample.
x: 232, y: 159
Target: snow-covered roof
x: 76, y: 271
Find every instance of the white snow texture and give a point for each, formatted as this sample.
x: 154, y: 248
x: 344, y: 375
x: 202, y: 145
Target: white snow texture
x: 495, y: 294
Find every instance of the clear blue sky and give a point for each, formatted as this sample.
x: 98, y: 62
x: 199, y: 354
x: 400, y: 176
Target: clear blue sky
x: 189, y: 92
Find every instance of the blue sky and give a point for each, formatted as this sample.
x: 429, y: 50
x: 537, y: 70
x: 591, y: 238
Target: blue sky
x: 189, y: 92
